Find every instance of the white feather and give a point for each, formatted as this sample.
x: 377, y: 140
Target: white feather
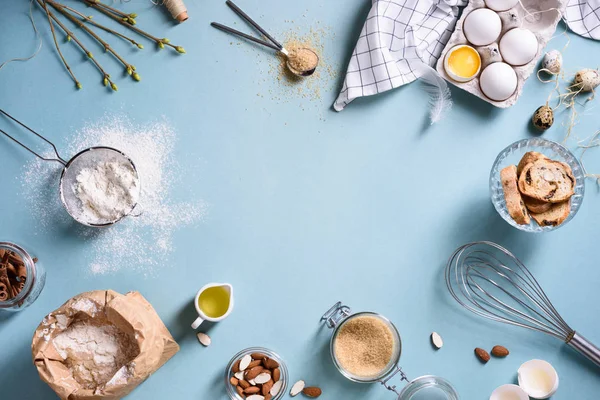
x: 440, y: 100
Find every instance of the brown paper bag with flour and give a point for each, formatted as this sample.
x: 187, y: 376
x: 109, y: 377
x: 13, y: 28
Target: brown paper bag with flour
x: 101, y: 345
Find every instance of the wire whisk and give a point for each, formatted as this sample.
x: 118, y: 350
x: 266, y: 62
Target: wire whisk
x: 491, y: 282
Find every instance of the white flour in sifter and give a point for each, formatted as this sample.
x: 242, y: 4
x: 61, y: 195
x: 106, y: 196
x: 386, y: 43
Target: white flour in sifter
x: 107, y: 192
x: 141, y: 243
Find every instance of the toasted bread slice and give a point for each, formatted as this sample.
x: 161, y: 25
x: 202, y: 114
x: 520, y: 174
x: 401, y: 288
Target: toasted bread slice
x: 514, y: 201
x: 529, y: 157
x: 547, y: 180
x: 556, y: 215
x: 535, y: 205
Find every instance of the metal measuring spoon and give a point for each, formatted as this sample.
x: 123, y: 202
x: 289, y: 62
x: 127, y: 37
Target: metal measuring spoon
x: 275, y: 45
x: 298, y: 71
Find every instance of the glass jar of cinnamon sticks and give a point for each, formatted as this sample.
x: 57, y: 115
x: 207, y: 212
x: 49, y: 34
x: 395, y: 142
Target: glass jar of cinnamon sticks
x: 22, y: 278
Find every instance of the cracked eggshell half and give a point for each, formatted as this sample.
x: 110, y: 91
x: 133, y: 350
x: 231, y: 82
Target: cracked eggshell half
x: 498, y: 81
x: 518, y: 46
x: 482, y: 27
x: 538, y: 379
x: 509, y: 392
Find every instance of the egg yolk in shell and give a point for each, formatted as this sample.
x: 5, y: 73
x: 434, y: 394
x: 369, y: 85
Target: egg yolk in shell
x: 464, y: 61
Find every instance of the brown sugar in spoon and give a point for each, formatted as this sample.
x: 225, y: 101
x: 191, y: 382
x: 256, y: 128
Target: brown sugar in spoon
x: 300, y: 62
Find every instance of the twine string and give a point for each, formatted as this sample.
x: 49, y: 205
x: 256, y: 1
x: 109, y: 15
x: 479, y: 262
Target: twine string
x: 37, y: 34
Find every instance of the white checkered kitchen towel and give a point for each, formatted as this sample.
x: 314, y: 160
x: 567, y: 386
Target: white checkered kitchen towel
x: 583, y: 17
x: 397, y: 37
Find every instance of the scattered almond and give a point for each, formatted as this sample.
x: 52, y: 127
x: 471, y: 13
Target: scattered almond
x: 204, y: 339
x: 234, y: 381
x: 312, y: 391
x: 245, y: 361
x: 297, y: 388
x: 276, y: 388
x: 483, y: 355
x: 436, y: 340
x: 500, y: 351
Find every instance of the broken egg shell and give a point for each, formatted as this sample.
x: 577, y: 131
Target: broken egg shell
x: 552, y: 62
x: 543, y: 118
x: 460, y: 59
x: 528, y: 376
x: 587, y: 80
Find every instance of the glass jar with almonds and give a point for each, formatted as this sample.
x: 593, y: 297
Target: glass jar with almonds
x: 22, y: 277
x: 256, y: 373
x: 365, y: 347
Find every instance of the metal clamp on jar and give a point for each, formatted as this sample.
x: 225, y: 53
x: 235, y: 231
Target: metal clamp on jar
x: 383, y: 347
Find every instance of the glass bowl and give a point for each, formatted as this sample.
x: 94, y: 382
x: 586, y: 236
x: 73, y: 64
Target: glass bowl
x: 428, y: 387
x: 233, y: 395
x: 512, y: 155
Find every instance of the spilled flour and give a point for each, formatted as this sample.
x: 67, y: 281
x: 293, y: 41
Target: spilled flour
x: 137, y: 243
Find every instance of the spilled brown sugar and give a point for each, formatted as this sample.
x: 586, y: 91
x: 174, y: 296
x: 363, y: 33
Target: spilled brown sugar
x: 364, y: 346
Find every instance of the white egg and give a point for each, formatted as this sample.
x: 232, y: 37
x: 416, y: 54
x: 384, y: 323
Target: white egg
x: 518, y: 46
x: 501, y: 5
x: 498, y: 81
x: 482, y: 27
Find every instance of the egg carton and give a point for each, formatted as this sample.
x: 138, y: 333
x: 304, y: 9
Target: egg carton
x: 543, y: 25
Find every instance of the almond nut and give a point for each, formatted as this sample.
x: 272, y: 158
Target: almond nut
x: 258, y: 356
x: 252, y: 390
x: 245, y: 361
x: 500, y: 351
x: 240, y: 391
x: 255, y: 397
x: 254, y: 372
x: 483, y: 355
x: 266, y: 388
x: 204, y: 339
x: 262, y: 378
x: 234, y: 381
x: 276, y: 388
x: 244, y: 384
x: 269, y: 363
x: 254, y: 363
x: 268, y: 396
x: 236, y: 366
x: 312, y: 391
x: 297, y: 388
x: 276, y: 374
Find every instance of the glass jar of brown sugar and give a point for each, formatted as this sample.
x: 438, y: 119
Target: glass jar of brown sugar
x: 365, y: 347
x: 22, y: 277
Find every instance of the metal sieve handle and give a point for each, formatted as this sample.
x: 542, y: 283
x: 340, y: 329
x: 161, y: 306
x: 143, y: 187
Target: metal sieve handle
x: 58, y: 157
x: 335, y: 314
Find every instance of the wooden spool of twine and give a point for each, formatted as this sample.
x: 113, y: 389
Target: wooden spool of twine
x: 177, y: 9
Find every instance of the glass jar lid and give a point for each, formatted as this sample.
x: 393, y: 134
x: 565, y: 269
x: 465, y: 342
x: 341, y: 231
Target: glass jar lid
x: 428, y: 387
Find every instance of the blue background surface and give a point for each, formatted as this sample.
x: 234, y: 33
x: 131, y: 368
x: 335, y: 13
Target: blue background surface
x: 307, y: 207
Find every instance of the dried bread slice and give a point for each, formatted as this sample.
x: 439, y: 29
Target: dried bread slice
x: 529, y: 157
x: 514, y: 201
x: 535, y: 205
x: 556, y: 215
x: 547, y: 180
